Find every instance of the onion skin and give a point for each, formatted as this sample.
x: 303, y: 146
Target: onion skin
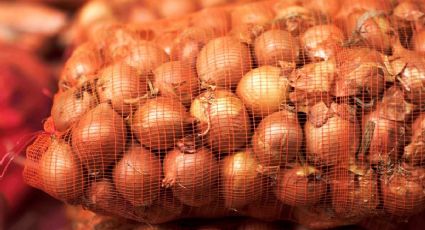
x: 61, y: 172
x: 354, y: 192
x: 69, y: 106
x: 263, y: 90
x: 277, y: 139
x: 418, y: 41
x: 176, y: 80
x: 99, y: 137
x: 332, y: 134
x: 322, y: 42
x: 223, y: 61
x: 223, y: 120
x: 404, y: 192
x: 361, y: 71
x: 118, y: 83
x: 414, y: 153
x: 137, y: 176
x: 293, y: 18
x: 251, y: 13
x: 300, y: 186
x: 84, y: 61
x: 158, y: 122
x: 242, y: 183
x: 192, y: 173
x: 274, y: 46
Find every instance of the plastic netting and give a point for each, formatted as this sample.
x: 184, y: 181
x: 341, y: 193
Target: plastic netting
x: 302, y: 110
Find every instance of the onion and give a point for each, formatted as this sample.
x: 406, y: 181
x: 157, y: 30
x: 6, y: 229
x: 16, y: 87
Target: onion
x: 98, y: 138
x: 119, y: 83
x: 164, y: 209
x: 312, y: 83
x: 137, y: 176
x: 274, y: 46
x: 408, y: 18
x: 61, y: 172
x: 355, y: 192
x: 404, y: 192
x: 383, y: 137
x: 102, y: 196
x: 242, y: 183
x: 223, y: 120
x: 215, y: 19
x: 328, y: 8
x: 192, y: 172
x: 175, y: 8
x: 84, y: 62
x: 271, y: 208
x: 176, y: 80
x: 165, y: 40
x: 371, y: 27
x: 277, y: 139
x: 300, y: 186
x: 320, y: 217
x: 223, y: 62
x: 361, y: 71
x: 69, y: 106
x: 418, y: 41
x: 145, y: 56
x: 210, y: 3
x: 252, y: 224
x: 414, y: 153
x: 139, y: 14
x: 294, y: 18
x: 394, y: 107
x: 347, y: 6
x: 113, y: 38
x: 263, y: 90
x: 247, y: 33
x: 322, y: 42
x: 158, y: 122
x: 251, y: 13
x: 332, y: 134
x: 189, y: 43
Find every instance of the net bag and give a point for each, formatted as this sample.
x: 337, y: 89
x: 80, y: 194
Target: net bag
x: 310, y: 111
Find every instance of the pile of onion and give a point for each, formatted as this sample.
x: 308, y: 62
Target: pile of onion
x: 332, y: 134
x: 222, y: 120
x: 192, y: 173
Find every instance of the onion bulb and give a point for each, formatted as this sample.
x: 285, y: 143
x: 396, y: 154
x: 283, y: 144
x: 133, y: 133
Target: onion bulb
x: 98, y: 138
x: 103, y: 196
x: 242, y: 183
x: 119, y: 83
x: 223, y: 62
x: 354, y: 192
x: 408, y: 17
x: 414, y: 153
x: 274, y: 46
x: 159, y: 122
x: 328, y: 8
x: 263, y: 90
x: 215, y: 19
x: 137, y: 176
x: 69, y: 106
x: 223, y: 120
x: 192, y: 173
x: 418, y: 41
x: 277, y: 139
x: 322, y: 42
x: 404, y: 192
x: 61, y: 172
x: 300, y: 186
x: 294, y: 18
x: 332, y: 134
x: 175, y: 8
x: 176, y: 80
x: 251, y: 13
x: 165, y: 208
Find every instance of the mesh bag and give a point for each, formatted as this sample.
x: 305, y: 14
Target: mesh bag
x: 279, y: 110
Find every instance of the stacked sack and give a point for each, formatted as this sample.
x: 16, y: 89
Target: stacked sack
x: 302, y: 110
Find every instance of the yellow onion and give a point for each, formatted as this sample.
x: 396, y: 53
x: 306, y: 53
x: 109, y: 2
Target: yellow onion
x: 274, y: 46
x: 214, y: 19
x: 414, y: 153
x: 251, y: 13
x: 322, y: 42
x: 223, y: 61
x: 418, y: 41
x: 175, y: 8
x: 293, y: 18
x: 328, y: 8
x: 263, y: 90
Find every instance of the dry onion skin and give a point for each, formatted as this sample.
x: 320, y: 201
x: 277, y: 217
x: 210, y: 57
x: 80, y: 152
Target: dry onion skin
x: 418, y: 41
x: 69, y: 106
x: 332, y: 134
x: 222, y: 120
x: 293, y: 18
x: 242, y: 183
x: 274, y: 46
x: 300, y: 186
x: 414, y: 153
x: 223, y: 61
x: 137, y: 176
x: 263, y: 90
x: 158, y: 122
x: 177, y: 80
x: 277, y: 140
x: 118, y: 84
x: 192, y: 173
x: 355, y: 192
x: 61, y: 172
x: 98, y: 138
x: 403, y: 192
x: 322, y: 42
